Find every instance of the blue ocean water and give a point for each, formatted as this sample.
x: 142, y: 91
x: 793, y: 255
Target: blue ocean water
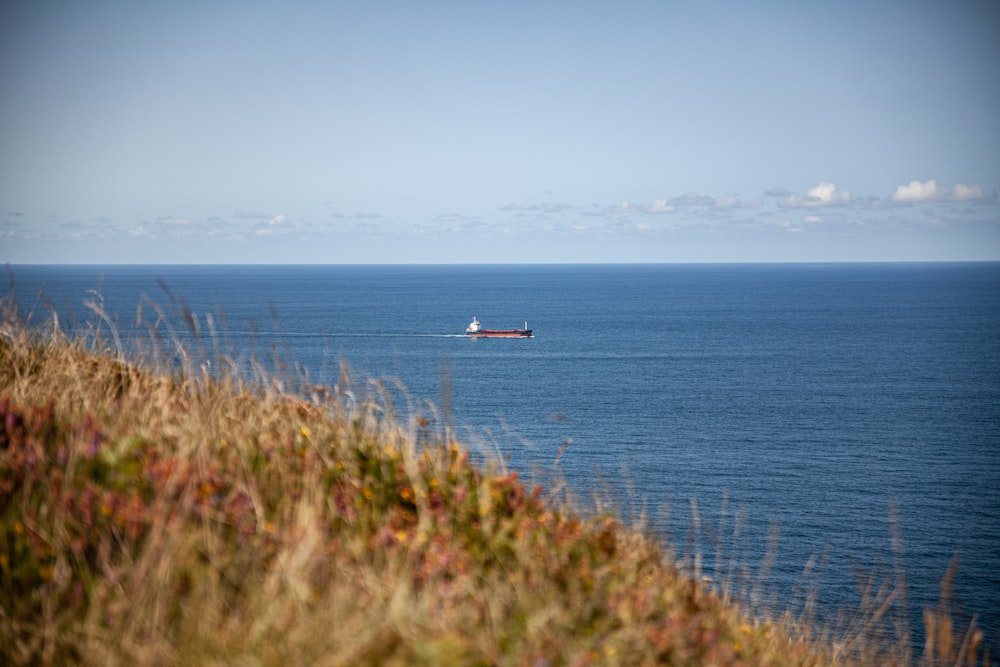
x: 817, y: 397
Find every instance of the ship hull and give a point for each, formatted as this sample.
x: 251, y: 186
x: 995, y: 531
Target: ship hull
x: 500, y: 333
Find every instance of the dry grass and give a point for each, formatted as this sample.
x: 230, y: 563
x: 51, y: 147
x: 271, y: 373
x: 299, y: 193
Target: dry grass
x: 159, y: 515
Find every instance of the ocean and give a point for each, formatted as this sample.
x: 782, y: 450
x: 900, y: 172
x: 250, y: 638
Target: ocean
x: 828, y: 407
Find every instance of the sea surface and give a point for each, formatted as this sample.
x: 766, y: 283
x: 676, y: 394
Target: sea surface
x: 827, y: 406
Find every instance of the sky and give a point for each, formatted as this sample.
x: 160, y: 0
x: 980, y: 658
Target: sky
x: 499, y: 132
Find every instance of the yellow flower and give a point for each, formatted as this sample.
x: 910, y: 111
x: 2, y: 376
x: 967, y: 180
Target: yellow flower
x: 305, y: 431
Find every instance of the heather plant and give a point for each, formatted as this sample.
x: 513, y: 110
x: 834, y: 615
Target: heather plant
x: 156, y: 513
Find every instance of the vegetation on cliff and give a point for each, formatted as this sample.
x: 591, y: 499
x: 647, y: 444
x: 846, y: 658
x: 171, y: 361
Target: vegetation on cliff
x: 161, y: 513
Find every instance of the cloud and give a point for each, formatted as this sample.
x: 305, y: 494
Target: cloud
x: 256, y: 215
x: 967, y: 193
x: 454, y: 217
x: 687, y: 204
x: 100, y: 228
x: 689, y: 200
x: 359, y: 215
x: 693, y: 199
x: 929, y: 191
x: 736, y: 202
x: 789, y: 227
x: 368, y: 228
x: 278, y: 221
x: 660, y: 206
x: 595, y: 210
x: 824, y: 194
x: 543, y: 207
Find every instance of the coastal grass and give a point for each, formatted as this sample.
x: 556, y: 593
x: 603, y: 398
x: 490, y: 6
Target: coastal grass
x: 158, y: 511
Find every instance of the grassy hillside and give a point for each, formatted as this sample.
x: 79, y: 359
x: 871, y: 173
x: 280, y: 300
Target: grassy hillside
x: 153, y: 515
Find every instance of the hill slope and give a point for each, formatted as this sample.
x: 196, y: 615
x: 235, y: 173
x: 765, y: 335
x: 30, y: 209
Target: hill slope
x: 160, y: 517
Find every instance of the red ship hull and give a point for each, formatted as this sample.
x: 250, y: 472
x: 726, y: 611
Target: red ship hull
x: 501, y: 333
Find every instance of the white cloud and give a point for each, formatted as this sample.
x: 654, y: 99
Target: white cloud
x: 660, y: 206
x: 278, y: 221
x: 927, y: 191
x: 917, y: 191
x: 730, y: 201
x: 788, y: 227
x: 812, y: 219
x: 967, y: 193
x: 824, y: 194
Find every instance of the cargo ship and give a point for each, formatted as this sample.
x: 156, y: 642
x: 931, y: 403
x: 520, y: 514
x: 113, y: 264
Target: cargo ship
x: 476, y: 330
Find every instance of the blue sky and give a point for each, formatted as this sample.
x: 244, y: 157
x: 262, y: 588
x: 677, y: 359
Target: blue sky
x: 385, y: 132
